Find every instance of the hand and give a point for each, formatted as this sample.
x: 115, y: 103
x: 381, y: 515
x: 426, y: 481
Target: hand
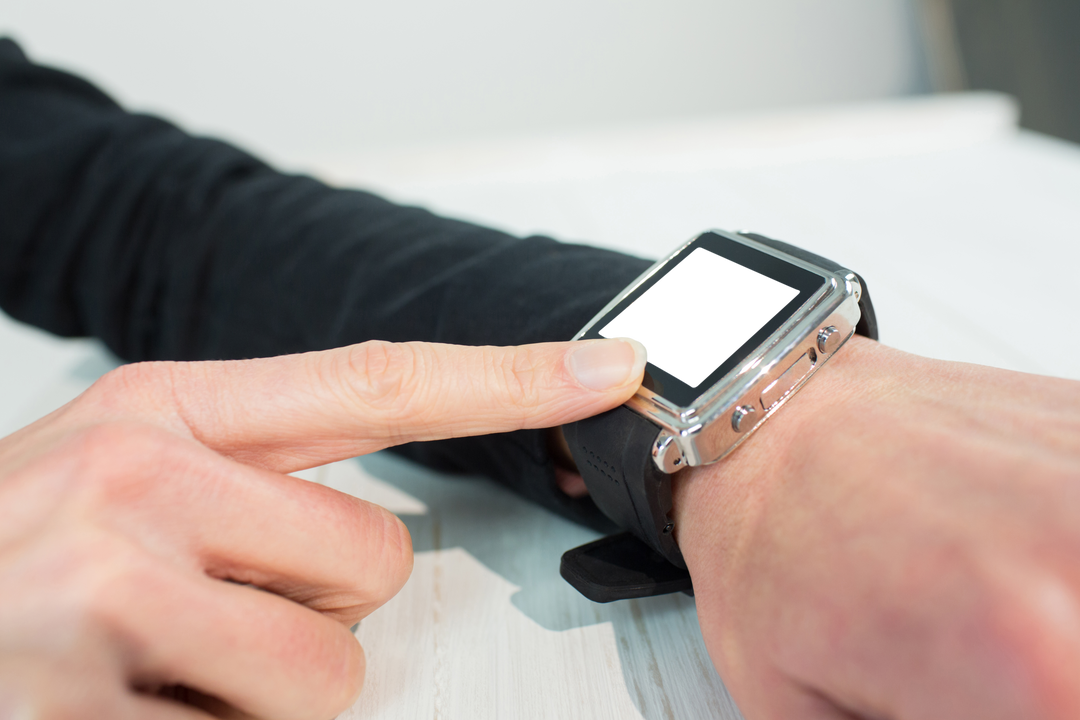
x: 152, y: 550
x: 901, y: 541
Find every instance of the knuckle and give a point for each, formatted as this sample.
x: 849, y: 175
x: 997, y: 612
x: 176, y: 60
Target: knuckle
x: 95, y: 451
x: 345, y: 669
x: 44, y: 687
x: 378, y: 569
x: 110, y: 461
x: 388, y: 383
x: 103, y: 573
x: 101, y: 570
x: 392, y: 552
x: 396, y: 553
x: 68, y: 597
x: 1034, y: 631
x: 129, y: 385
x: 381, y: 374
x: 521, y: 374
x: 1016, y: 630
x: 334, y: 665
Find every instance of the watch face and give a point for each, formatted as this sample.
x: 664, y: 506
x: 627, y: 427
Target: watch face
x: 705, y: 311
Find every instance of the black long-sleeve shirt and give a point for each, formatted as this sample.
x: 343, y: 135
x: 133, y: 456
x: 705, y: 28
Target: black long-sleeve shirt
x: 167, y: 246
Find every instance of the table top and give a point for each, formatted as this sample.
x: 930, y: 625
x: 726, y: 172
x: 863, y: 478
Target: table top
x: 966, y: 228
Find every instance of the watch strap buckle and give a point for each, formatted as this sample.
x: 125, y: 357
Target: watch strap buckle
x: 621, y: 567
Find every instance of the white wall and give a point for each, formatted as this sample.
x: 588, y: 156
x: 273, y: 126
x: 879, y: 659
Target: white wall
x: 297, y: 80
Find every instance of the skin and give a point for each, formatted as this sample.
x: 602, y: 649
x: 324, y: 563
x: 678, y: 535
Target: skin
x: 149, y: 535
x: 901, y: 541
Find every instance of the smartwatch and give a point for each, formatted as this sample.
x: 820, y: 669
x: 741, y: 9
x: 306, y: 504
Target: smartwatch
x: 734, y: 325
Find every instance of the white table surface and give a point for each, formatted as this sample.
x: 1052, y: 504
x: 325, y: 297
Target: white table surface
x: 966, y: 228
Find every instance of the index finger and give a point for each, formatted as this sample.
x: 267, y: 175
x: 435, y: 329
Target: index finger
x: 298, y: 411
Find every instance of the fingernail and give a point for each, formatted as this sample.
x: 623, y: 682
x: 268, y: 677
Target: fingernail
x: 604, y: 364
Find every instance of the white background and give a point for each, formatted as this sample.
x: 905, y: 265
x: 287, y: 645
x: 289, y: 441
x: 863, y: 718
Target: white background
x: 303, y: 81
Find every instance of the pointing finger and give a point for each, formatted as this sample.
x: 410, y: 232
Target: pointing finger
x: 298, y: 411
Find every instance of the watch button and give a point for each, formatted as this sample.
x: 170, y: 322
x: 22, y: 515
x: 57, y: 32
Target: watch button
x: 742, y: 419
x: 828, y: 340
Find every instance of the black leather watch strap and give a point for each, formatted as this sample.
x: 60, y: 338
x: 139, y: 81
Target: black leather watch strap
x: 613, y: 452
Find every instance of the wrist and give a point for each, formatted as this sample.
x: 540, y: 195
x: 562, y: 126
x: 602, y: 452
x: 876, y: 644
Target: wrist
x: 717, y: 506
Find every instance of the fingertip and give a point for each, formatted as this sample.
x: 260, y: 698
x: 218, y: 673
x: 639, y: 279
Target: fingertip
x: 607, y: 364
x: 641, y: 356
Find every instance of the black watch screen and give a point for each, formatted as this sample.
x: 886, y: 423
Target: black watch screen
x: 705, y: 311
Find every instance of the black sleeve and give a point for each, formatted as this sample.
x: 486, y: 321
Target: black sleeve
x: 167, y: 246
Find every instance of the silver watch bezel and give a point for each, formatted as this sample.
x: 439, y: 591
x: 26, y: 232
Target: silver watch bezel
x: 705, y: 431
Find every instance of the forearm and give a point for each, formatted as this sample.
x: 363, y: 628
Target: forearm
x: 169, y: 246
x: 166, y: 246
